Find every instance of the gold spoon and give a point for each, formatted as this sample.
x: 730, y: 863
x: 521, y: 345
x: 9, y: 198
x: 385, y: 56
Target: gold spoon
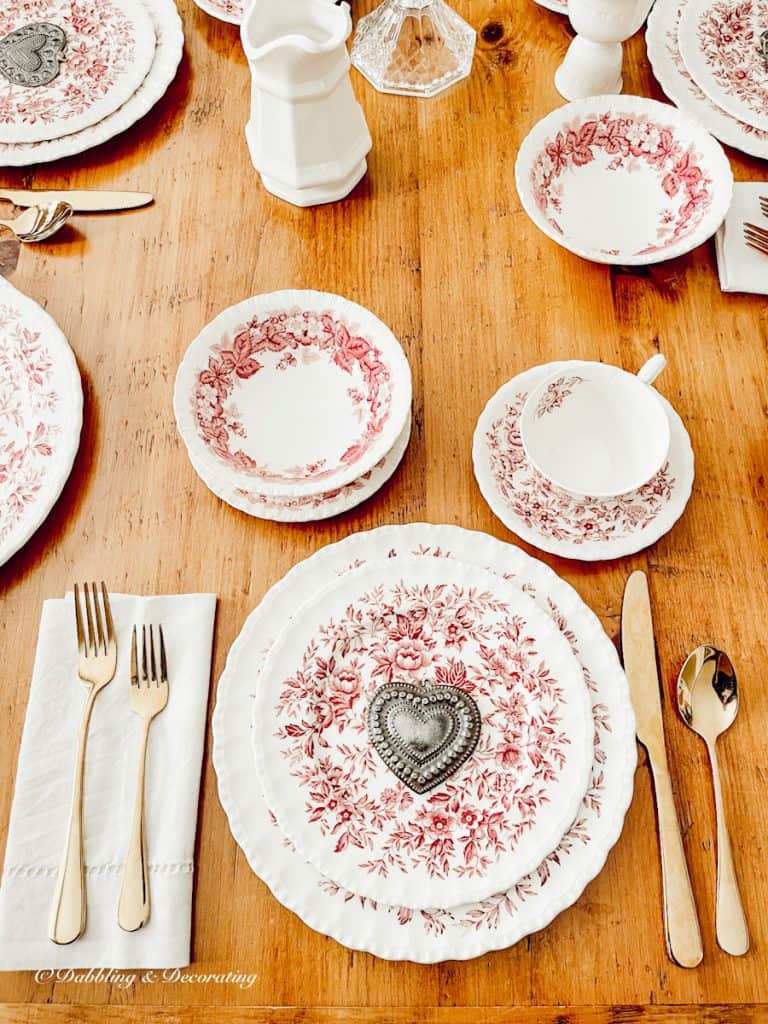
x: 708, y: 700
x: 37, y: 223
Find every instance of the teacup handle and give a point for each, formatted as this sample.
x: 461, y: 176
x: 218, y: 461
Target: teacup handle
x: 649, y: 371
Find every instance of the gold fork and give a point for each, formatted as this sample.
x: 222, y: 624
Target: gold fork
x: 764, y: 205
x: 97, y: 661
x: 149, y: 696
x: 756, y: 238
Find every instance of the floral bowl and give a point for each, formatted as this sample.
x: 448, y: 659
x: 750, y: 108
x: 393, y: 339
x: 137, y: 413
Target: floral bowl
x: 622, y: 179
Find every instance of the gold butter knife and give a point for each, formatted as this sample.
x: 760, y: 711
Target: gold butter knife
x: 81, y: 200
x: 681, y: 923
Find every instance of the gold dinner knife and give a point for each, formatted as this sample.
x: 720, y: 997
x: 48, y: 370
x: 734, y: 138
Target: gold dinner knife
x: 81, y: 200
x: 681, y: 923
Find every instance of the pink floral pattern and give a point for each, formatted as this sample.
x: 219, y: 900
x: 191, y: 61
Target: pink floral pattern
x: 555, y: 394
x: 281, y: 342
x: 29, y: 430
x: 230, y: 9
x: 100, y: 50
x: 625, y: 143
x: 449, y: 634
x: 730, y: 48
x: 554, y: 513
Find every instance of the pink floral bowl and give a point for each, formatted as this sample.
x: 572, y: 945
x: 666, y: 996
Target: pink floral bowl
x: 292, y: 394
x: 623, y: 179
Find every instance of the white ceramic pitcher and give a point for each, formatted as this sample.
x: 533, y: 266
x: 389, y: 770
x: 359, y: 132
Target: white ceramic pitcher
x: 307, y: 133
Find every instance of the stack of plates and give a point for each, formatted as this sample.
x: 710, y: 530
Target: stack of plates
x: 710, y: 60
x: 74, y: 75
x: 294, y: 406
x: 41, y: 412
x: 424, y: 743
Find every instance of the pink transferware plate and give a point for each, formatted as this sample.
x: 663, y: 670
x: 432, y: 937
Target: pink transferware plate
x: 388, y: 930
x: 169, y: 47
x: 41, y: 412
x: 723, y: 50
x: 589, y: 529
x: 291, y: 394
x: 365, y: 731
x: 622, y: 179
x: 225, y: 10
x: 663, y: 43
x: 65, y: 65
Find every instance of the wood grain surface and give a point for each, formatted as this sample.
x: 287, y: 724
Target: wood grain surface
x: 435, y: 242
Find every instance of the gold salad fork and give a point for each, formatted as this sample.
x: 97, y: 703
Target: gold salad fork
x: 97, y: 661
x: 149, y: 696
x: 756, y: 238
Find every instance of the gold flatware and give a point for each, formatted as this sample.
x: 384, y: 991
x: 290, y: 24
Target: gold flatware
x: 764, y: 205
x: 681, y: 923
x: 81, y: 200
x: 149, y: 696
x: 97, y: 661
x: 37, y: 223
x: 708, y: 701
x: 756, y: 238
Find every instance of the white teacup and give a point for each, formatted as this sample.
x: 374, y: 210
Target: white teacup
x: 595, y: 430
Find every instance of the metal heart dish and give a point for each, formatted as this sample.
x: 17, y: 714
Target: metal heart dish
x: 31, y: 56
x: 423, y: 734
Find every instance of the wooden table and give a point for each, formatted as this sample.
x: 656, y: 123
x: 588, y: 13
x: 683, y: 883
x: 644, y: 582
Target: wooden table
x: 435, y: 242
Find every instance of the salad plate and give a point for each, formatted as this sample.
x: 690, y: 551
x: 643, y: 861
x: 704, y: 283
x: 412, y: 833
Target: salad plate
x: 169, y: 44
x: 41, y: 413
x: 447, y: 828
x: 720, y: 46
x: 310, y: 508
x: 65, y: 66
x: 388, y: 930
x: 291, y: 394
x: 623, y: 179
x: 584, y: 528
x: 663, y: 44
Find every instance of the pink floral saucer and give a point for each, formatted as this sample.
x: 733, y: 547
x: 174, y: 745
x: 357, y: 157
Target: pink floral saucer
x: 225, y: 10
x: 448, y: 626
x: 103, y: 53
x: 556, y: 521
x: 41, y: 403
x: 292, y: 394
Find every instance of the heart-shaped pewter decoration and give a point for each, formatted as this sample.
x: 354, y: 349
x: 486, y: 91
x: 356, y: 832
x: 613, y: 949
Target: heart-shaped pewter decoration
x: 31, y: 56
x: 423, y: 734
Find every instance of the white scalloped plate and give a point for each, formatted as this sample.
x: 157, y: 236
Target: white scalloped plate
x: 550, y: 518
x: 170, y: 45
x: 41, y: 413
x: 394, y: 932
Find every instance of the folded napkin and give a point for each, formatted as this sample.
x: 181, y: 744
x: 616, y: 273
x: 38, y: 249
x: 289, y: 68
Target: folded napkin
x: 41, y: 802
x: 741, y: 269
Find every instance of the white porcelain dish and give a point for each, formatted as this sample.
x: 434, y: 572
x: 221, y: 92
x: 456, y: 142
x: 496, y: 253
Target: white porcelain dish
x: 41, y: 414
x: 623, y: 179
x: 597, y: 430
x: 293, y: 393
x: 662, y: 40
x: 169, y: 40
x: 231, y: 11
x: 588, y: 529
x: 473, y: 929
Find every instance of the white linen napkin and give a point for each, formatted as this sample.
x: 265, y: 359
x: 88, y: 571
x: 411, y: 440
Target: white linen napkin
x: 741, y: 269
x: 41, y: 802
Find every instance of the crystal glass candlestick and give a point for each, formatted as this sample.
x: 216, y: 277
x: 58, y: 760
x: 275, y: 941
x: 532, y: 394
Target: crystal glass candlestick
x: 413, y: 47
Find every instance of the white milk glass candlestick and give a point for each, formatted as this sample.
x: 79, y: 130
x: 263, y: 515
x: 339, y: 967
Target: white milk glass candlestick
x: 307, y: 133
x: 413, y: 47
x: 593, y: 63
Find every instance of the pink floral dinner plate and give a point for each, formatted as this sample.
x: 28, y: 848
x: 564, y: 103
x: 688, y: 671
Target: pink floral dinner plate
x: 622, y: 179
x: 41, y: 412
x: 291, y: 394
x: 552, y: 519
x: 169, y: 47
x: 225, y: 10
x: 389, y: 930
x: 310, y: 508
x: 662, y: 39
x: 66, y: 65
x: 453, y: 638
x: 720, y: 43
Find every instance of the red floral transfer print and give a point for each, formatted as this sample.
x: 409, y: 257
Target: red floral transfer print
x: 626, y: 142
x: 452, y: 635
x: 730, y: 47
x: 555, y: 394
x: 282, y: 342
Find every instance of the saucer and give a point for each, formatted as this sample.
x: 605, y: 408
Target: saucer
x: 553, y: 520
x: 231, y: 11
